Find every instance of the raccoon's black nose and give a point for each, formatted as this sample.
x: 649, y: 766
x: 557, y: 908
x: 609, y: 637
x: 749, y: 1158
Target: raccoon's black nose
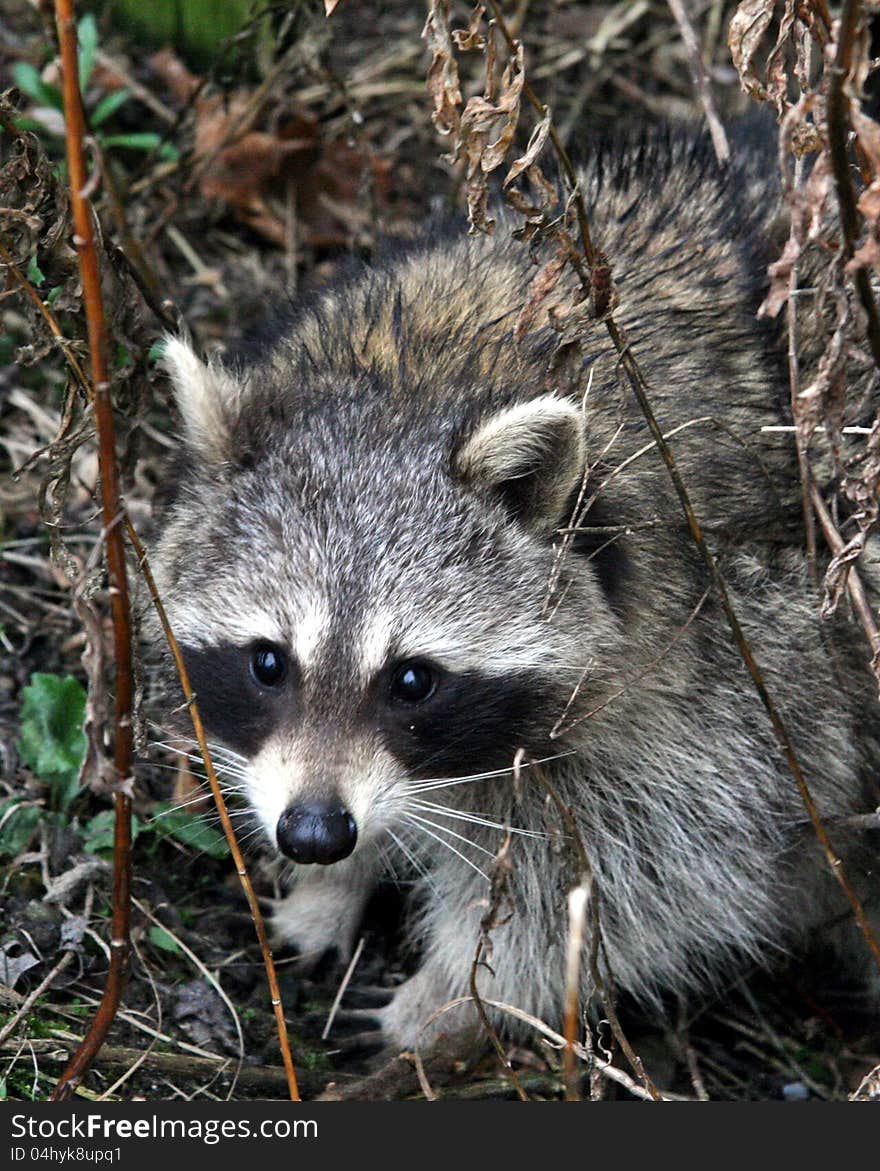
x: 316, y: 831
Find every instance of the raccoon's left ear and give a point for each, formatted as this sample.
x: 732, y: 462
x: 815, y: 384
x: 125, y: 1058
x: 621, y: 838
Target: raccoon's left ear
x: 532, y: 455
x: 209, y: 398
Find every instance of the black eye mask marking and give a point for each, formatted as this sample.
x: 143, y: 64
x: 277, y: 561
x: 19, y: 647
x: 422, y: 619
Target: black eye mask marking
x: 236, y: 705
x: 472, y: 722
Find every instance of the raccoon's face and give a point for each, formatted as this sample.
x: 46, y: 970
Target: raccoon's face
x: 363, y: 595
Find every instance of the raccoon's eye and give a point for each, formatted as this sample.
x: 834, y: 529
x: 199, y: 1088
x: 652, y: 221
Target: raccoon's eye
x: 412, y: 682
x: 268, y: 664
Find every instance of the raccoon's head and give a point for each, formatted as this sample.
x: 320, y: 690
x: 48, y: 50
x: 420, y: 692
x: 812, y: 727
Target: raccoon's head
x: 366, y: 588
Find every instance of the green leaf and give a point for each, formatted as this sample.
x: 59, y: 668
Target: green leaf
x: 18, y: 824
x: 108, y: 106
x: 31, y: 124
x: 34, y: 272
x: 145, y: 140
x: 191, y: 831
x: 98, y: 832
x: 87, y: 36
x: 161, y: 938
x: 29, y: 81
x: 52, y: 740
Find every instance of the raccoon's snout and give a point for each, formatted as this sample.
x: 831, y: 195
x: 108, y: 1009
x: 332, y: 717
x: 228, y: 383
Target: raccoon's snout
x: 316, y: 831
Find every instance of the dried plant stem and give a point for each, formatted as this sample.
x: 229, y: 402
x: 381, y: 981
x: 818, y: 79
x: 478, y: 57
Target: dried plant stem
x: 577, y: 904
x: 791, y: 311
x: 111, y: 505
x: 604, y: 1067
x: 604, y: 989
x: 51, y: 321
x: 838, y: 135
x: 640, y: 389
x: 487, y: 923
x: 241, y: 869
x: 30, y: 1000
x: 856, y: 590
x: 701, y: 80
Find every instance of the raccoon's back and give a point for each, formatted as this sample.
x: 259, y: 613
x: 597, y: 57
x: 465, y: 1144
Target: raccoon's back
x: 447, y: 330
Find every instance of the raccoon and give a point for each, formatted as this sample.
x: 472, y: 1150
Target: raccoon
x: 427, y: 568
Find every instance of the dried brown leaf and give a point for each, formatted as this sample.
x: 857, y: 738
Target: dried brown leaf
x: 747, y: 28
x: 485, y: 134
x: 780, y: 278
x: 777, y: 71
x: 534, y: 148
x: 443, y: 83
x: 542, y: 285
x: 822, y: 401
x: 838, y: 571
x: 471, y: 38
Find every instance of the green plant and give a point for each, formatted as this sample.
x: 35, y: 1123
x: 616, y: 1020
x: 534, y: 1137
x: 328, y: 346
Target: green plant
x: 162, y: 939
x: 189, y: 829
x: 53, y: 745
x: 198, y: 29
x: 99, y: 112
x: 52, y: 739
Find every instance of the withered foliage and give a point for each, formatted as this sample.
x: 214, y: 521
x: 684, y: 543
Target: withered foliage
x: 786, y: 55
x: 483, y: 131
x: 35, y: 213
x: 263, y: 157
x: 812, y: 71
x: 35, y: 226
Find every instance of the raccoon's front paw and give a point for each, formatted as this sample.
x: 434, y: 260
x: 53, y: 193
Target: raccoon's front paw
x: 314, y: 924
x: 415, y: 1017
x: 423, y: 1013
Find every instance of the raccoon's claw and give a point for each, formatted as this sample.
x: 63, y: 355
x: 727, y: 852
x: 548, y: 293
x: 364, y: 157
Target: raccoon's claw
x: 320, y: 967
x: 349, y: 1022
x: 367, y: 996
x: 369, y: 1043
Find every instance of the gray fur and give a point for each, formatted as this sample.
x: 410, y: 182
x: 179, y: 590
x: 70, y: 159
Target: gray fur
x: 355, y: 493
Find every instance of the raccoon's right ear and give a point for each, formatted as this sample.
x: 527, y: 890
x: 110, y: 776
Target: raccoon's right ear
x: 532, y: 455
x: 208, y: 397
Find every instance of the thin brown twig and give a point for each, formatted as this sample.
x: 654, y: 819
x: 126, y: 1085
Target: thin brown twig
x: 48, y: 316
x: 604, y: 1067
x: 854, y: 585
x: 238, y: 859
x: 603, y: 987
x: 806, y: 475
x: 701, y: 80
x: 154, y: 1061
x: 488, y: 921
x: 577, y: 902
x: 111, y: 505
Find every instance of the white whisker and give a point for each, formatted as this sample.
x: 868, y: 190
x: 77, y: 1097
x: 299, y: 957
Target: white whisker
x: 444, y: 829
x: 219, y: 754
x: 445, y: 782
x: 410, y: 856
x: 465, y: 815
x: 449, y: 846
